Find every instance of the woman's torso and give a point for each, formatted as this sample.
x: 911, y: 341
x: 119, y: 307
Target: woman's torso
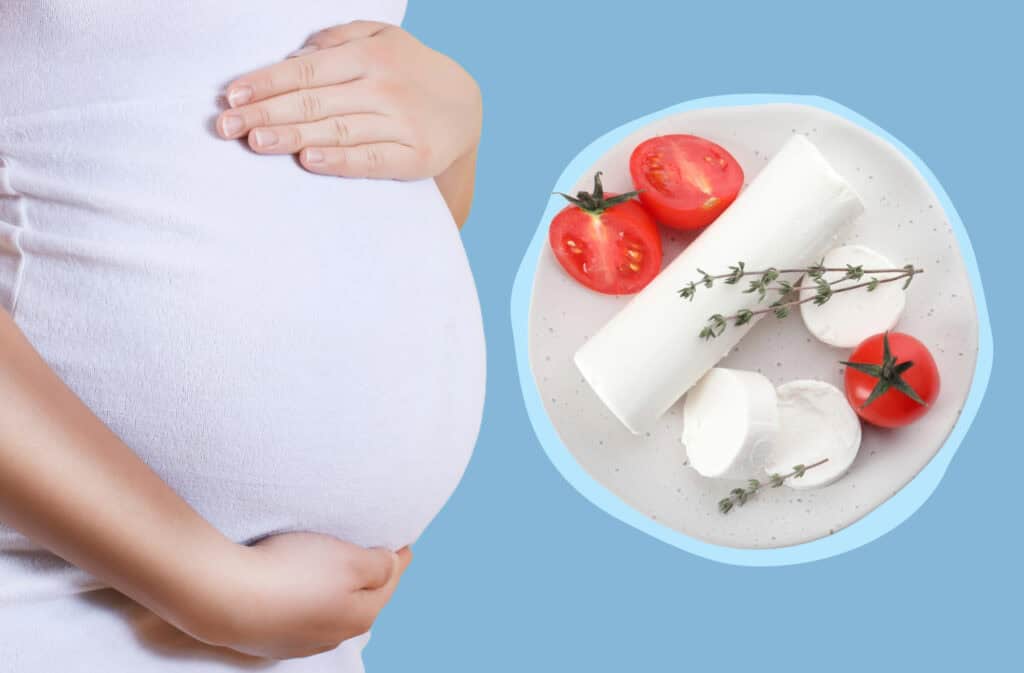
x: 288, y: 351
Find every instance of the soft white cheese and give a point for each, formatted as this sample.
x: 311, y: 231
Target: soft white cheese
x: 850, y: 317
x: 815, y: 422
x: 650, y: 353
x: 730, y: 420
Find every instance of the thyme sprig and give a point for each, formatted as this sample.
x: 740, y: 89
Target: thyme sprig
x: 768, y: 282
x: 738, y: 272
x: 739, y: 496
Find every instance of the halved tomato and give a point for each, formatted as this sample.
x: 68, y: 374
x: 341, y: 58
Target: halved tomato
x: 607, y: 242
x: 685, y: 181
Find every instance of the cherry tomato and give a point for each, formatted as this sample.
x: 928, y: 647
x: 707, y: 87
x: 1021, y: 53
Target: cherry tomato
x: 891, y: 379
x: 607, y: 242
x: 685, y: 181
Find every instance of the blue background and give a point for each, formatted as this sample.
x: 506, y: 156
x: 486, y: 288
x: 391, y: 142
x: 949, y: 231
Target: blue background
x: 520, y: 572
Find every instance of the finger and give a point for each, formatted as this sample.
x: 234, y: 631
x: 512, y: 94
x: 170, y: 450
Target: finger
x: 374, y: 160
x: 368, y: 603
x: 355, y: 129
x: 404, y: 558
x: 345, y: 32
x: 317, y: 69
x: 300, y: 107
x: 374, y: 568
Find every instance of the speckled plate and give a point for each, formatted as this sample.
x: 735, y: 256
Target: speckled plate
x: 904, y: 220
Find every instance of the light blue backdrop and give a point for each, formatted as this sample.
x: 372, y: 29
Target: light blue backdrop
x: 520, y: 573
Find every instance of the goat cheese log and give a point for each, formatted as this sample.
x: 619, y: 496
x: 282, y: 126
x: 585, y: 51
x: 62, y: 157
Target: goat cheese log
x: 650, y: 353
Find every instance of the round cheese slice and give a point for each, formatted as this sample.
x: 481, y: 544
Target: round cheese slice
x: 730, y: 419
x: 815, y: 422
x: 850, y: 317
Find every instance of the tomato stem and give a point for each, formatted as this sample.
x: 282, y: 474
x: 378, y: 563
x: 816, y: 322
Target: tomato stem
x: 595, y: 202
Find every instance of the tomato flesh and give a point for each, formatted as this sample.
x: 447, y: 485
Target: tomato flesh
x: 616, y: 251
x: 894, y: 408
x: 685, y: 181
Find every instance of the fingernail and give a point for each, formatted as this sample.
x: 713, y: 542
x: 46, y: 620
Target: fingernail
x: 264, y: 137
x: 239, y: 96
x: 314, y: 156
x: 308, y: 49
x: 231, y: 124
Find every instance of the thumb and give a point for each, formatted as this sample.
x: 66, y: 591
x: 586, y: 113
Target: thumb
x: 372, y: 601
x: 374, y: 568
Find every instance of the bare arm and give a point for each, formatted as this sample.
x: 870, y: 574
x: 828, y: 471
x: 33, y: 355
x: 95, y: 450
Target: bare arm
x: 67, y: 482
x: 456, y: 185
x: 70, y: 484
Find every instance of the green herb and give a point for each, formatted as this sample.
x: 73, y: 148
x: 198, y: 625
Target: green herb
x: 736, y: 273
x: 889, y: 375
x: 716, y: 325
x: 739, y: 496
x: 769, y: 282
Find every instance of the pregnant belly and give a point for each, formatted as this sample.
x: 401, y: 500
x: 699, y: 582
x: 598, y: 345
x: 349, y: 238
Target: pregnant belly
x: 288, y: 351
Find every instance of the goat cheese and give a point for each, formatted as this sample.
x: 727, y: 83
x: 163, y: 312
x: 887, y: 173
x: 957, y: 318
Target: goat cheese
x: 730, y: 419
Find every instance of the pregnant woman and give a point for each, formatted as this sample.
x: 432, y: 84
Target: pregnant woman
x: 241, y: 353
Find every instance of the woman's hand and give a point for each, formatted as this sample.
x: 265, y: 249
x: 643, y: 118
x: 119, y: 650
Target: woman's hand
x: 300, y: 594
x: 362, y: 99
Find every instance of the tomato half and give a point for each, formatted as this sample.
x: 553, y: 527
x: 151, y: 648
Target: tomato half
x: 607, y: 242
x: 685, y: 181
x: 899, y: 362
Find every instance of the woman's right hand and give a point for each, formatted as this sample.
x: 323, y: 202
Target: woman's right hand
x: 305, y: 593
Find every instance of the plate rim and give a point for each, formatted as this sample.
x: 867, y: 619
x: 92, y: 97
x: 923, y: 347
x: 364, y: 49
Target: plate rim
x: 884, y: 518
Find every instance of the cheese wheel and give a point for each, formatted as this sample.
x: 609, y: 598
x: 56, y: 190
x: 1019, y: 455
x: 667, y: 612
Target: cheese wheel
x: 815, y: 422
x: 730, y: 420
x: 850, y: 317
x: 650, y: 353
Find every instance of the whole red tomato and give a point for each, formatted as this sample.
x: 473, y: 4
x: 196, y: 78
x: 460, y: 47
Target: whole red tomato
x: 607, y: 242
x: 891, y: 379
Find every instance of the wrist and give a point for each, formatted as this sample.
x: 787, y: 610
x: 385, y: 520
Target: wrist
x: 464, y: 164
x: 211, y: 607
x: 456, y: 185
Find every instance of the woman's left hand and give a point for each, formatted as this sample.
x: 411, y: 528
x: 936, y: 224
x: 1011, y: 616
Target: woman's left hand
x: 363, y: 99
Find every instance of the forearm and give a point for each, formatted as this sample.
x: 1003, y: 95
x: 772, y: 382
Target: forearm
x: 68, y: 483
x: 456, y: 185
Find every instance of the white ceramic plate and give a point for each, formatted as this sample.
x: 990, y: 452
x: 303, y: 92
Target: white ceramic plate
x: 903, y: 220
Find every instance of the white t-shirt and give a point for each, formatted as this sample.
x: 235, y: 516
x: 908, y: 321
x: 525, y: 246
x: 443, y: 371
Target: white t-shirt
x: 288, y: 351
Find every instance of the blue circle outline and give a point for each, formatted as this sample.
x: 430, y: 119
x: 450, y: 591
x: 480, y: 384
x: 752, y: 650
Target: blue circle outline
x: 886, y: 516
